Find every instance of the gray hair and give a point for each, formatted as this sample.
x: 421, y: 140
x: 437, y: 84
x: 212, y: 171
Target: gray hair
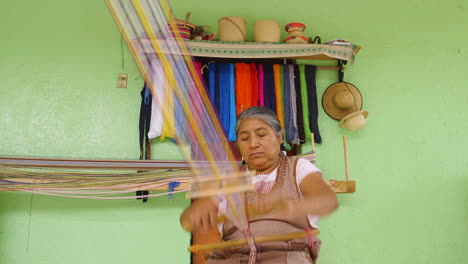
x: 263, y: 113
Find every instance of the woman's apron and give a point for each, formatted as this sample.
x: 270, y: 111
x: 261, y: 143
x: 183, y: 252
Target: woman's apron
x: 296, y: 251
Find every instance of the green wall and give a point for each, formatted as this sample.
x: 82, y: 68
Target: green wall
x: 59, y: 62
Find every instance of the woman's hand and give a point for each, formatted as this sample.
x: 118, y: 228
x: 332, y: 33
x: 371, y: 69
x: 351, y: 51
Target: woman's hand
x: 201, y: 216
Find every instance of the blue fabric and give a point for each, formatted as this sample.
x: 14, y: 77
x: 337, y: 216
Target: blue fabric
x: 147, y: 96
x: 211, y: 85
x: 286, y: 105
x: 310, y: 74
x: 232, y: 104
x: 223, y: 95
x: 172, y: 186
x: 269, y: 87
x: 216, y: 89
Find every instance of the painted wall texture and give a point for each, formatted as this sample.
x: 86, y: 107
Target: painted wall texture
x: 59, y: 62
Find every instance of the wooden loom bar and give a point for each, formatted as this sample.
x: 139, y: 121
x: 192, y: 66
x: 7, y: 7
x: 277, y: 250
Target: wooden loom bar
x: 258, y: 240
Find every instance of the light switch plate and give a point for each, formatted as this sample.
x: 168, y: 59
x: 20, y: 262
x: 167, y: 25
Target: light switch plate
x: 122, y: 80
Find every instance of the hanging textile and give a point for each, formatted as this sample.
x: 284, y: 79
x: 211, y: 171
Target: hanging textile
x: 295, y: 137
x: 299, y: 117
x: 144, y: 128
x: 260, y: 85
x: 225, y: 71
x: 144, y: 123
x: 310, y: 74
x: 221, y: 90
x: 243, y: 83
x: 305, y: 101
x: 232, y: 105
x: 279, y: 97
x: 157, y: 118
x: 290, y: 109
x: 254, y: 84
x: 269, y: 87
x: 212, y: 69
x: 286, y: 102
x: 284, y: 88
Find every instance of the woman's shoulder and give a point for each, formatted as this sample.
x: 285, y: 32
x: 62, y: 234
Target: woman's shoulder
x: 300, y: 161
x: 305, y: 166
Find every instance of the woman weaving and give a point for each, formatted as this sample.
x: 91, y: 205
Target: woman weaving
x: 289, y: 192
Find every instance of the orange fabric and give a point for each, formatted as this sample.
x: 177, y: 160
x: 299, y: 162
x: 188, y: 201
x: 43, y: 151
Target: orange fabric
x: 243, y: 87
x: 279, y: 95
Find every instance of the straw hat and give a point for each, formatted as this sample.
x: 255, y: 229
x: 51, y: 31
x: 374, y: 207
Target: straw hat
x: 341, y: 99
x: 354, y: 121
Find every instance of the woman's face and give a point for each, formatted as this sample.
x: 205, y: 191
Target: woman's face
x: 259, y: 145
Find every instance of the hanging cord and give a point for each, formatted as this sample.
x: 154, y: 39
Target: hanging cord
x: 317, y: 40
x: 145, y: 142
x: 248, y: 235
x: 253, y: 248
x: 310, y: 237
x: 314, y: 245
x: 340, y: 71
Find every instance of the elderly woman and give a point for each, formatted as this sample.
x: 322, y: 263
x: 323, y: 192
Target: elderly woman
x: 289, y: 191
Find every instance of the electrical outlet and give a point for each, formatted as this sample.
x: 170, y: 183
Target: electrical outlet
x: 122, y: 80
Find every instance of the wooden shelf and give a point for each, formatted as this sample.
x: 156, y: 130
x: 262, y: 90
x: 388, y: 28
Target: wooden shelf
x: 254, y: 50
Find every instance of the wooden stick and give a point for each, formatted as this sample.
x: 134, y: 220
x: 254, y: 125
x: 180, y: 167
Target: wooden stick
x: 258, y: 240
x: 312, y: 141
x: 346, y: 158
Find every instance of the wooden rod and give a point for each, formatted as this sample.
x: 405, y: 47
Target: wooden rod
x: 242, y: 242
x: 346, y: 158
x: 312, y: 141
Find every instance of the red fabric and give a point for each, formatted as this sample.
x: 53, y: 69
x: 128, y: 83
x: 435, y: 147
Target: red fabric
x: 254, y: 84
x: 260, y: 85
